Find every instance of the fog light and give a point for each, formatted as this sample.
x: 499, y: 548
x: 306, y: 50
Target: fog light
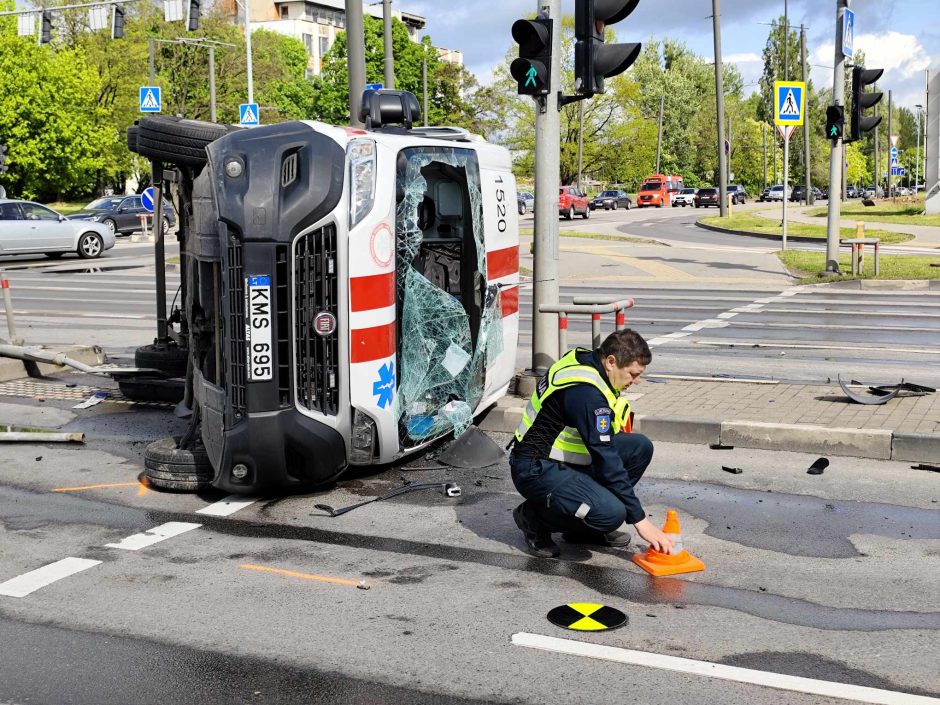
x: 362, y: 438
x: 240, y: 472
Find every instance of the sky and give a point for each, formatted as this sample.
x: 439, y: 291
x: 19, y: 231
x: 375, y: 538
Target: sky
x: 901, y: 36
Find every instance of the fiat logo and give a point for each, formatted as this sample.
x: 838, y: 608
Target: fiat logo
x: 324, y: 323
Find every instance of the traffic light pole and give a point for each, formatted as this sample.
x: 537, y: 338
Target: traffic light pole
x: 356, y: 57
x: 808, y: 192
x: 547, y: 168
x: 891, y: 146
x: 720, y: 106
x: 835, y: 155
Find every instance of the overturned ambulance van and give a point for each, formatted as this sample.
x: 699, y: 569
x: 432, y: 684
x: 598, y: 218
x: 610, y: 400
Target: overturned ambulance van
x: 350, y: 295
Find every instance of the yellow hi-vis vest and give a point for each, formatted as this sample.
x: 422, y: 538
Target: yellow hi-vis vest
x: 567, y: 372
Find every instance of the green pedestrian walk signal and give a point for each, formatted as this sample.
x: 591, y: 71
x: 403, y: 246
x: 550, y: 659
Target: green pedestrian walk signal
x: 835, y: 122
x: 532, y: 70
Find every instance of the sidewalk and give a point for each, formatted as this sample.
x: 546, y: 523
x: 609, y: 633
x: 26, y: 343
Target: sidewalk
x: 793, y: 417
x: 925, y: 236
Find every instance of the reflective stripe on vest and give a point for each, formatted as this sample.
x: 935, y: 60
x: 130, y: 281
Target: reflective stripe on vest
x: 567, y: 372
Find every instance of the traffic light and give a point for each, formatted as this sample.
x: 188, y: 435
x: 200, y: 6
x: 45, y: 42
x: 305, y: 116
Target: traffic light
x: 3, y: 159
x: 192, y: 15
x: 533, y: 69
x: 117, y: 22
x: 862, y: 101
x: 835, y: 122
x: 45, y: 33
x: 593, y: 59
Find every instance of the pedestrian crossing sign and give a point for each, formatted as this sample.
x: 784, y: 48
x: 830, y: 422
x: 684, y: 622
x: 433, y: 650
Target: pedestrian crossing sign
x: 791, y: 102
x: 150, y: 99
x: 248, y: 114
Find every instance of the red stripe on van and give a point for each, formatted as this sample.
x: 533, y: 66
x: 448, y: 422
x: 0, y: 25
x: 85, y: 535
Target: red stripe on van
x: 370, y: 344
x: 369, y: 293
x: 501, y: 263
x: 510, y: 301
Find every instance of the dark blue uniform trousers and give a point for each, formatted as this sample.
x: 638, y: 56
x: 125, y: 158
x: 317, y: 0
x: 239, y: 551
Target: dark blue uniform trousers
x: 557, y: 491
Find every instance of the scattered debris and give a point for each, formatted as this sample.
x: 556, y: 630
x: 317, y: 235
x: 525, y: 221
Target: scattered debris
x: 926, y: 466
x: 40, y: 437
x: 916, y: 390
x: 818, y: 467
x: 473, y: 449
x: 733, y: 471
x: 719, y: 446
x: 93, y: 400
x: 882, y: 394
x: 363, y: 585
x: 450, y: 489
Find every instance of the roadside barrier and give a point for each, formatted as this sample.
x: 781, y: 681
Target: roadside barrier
x: 588, y: 305
x: 8, y: 309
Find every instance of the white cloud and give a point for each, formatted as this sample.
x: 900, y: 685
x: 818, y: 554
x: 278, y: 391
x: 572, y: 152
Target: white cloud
x: 902, y: 56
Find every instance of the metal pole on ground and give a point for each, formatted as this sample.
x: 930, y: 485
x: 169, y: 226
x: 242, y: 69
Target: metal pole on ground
x: 720, y: 101
x: 835, y: 154
x: 389, y: 56
x: 547, y: 168
x: 356, y: 57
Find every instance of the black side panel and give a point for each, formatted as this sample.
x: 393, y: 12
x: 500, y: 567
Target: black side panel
x: 292, y: 177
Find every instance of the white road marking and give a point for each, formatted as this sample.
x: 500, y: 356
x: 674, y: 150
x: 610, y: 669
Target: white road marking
x: 227, y: 507
x: 23, y: 585
x: 46, y: 314
x: 844, y: 347
x: 154, y: 535
x: 767, y: 679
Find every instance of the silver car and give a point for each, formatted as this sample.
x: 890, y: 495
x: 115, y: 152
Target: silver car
x: 28, y: 228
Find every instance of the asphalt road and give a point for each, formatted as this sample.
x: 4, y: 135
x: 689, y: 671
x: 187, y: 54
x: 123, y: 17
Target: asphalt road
x: 827, y: 577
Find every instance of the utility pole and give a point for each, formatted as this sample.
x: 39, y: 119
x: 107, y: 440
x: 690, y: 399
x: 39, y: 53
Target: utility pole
x: 808, y: 194
x: 251, y: 80
x: 389, y: 56
x: 835, y: 154
x: 763, y: 134
x: 920, y: 110
x: 356, y: 57
x: 547, y: 168
x: 890, y: 142
x: 786, y: 46
x: 212, y: 84
x: 720, y: 100
x: 581, y: 145
x: 152, y: 72
x: 659, y: 139
x: 424, y: 79
x: 877, y: 179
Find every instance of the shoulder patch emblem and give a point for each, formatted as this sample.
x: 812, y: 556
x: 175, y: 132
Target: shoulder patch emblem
x: 602, y: 423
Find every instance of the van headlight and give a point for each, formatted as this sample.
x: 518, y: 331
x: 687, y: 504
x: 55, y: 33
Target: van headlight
x: 361, y: 157
x: 362, y: 439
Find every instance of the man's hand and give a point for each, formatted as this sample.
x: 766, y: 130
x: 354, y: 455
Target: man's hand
x: 654, y: 536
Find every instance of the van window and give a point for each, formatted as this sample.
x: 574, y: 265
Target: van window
x: 450, y: 321
x: 652, y: 186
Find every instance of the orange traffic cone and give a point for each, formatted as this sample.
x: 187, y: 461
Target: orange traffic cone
x: 679, y: 561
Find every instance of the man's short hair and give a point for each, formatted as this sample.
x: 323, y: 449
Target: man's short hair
x: 627, y: 346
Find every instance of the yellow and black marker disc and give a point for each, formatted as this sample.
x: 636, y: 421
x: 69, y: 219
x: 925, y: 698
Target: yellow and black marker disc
x: 587, y: 617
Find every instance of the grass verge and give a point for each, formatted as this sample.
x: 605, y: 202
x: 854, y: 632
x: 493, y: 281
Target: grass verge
x: 67, y: 207
x: 807, y: 265
x: 577, y: 235
x: 884, y: 212
x: 757, y: 224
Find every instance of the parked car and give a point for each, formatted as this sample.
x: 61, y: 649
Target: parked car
x: 685, y: 197
x: 707, y: 197
x: 28, y: 228
x: 776, y: 193
x: 799, y: 193
x: 612, y: 200
x: 526, y: 202
x: 765, y: 195
x: 737, y: 193
x: 573, y: 202
x: 121, y: 214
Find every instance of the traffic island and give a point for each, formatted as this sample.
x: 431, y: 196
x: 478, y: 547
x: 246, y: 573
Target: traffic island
x: 751, y: 225
x: 812, y: 418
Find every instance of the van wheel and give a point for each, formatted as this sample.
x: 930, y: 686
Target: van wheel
x: 172, y: 468
x: 170, y: 360
x: 177, y: 140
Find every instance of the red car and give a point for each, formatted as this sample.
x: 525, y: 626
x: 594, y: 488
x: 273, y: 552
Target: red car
x: 572, y: 202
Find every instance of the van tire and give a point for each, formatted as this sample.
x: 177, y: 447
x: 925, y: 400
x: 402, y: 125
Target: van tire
x: 171, y: 360
x: 177, y: 140
x: 172, y: 468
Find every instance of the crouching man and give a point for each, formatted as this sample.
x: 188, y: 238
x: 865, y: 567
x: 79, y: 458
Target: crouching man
x: 575, y: 458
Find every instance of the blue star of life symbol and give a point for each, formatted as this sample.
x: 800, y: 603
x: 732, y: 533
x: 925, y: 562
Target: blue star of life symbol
x: 384, y: 387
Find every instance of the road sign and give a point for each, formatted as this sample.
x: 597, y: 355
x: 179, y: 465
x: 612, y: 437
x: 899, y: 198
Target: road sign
x: 894, y: 151
x: 374, y: 86
x: 147, y: 198
x: 848, y: 34
x: 894, y: 141
x: 248, y: 114
x: 790, y: 102
x: 151, y: 100
x: 894, y: 162
x: 785, y: 131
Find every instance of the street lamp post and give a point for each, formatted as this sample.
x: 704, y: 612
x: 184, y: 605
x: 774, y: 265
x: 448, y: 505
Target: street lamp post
x: 920, y: 111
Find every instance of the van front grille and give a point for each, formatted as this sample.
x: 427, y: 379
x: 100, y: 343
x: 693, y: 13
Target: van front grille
x: 237, y: 363
x: 315, y: 295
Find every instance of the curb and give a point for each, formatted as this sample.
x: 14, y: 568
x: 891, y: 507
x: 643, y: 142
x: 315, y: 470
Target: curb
x: 762, y: 236
x: 876, y: 444
x: 11, y: 369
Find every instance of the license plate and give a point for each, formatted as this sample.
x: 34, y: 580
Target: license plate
x: 258, y: 328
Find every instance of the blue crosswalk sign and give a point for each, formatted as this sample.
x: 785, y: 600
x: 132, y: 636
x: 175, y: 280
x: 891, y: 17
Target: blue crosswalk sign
x: 248, y: 114
x: 151, y: 101
x: 790, y: 102
x: 848, y: 34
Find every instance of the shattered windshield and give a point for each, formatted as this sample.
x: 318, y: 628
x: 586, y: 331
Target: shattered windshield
x: 451, y: 323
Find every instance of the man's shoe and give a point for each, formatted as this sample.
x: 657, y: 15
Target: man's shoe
x: 614, y: 539
x: 538, y: 539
